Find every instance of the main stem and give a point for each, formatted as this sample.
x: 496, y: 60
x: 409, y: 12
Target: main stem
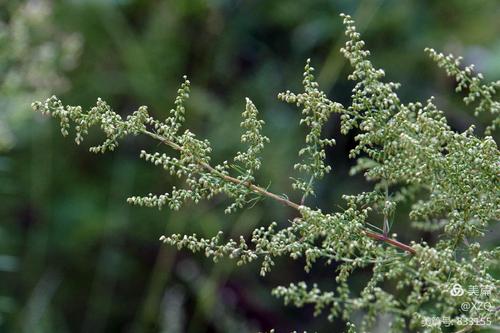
x: 284, y: 201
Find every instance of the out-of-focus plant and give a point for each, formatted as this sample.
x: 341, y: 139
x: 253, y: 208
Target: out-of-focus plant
x: 34, y: 56
x: 406, y: 150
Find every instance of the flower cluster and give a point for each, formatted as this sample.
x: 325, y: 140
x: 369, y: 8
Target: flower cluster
x: 316, y: 111
x: 467, y: 79
x: 408, y: 151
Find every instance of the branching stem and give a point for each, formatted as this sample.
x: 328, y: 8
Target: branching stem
x: 261, y: 191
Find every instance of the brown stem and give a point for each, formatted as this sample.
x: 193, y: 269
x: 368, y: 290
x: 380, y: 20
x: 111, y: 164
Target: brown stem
x: 390, y: 241
x: 283, y: 200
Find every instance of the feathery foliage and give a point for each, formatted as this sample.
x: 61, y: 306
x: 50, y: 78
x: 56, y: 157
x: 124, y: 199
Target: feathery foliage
x: 408, y: 151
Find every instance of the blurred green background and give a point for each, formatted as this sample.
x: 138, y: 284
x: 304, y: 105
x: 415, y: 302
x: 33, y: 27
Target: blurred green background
x: 74, y: 257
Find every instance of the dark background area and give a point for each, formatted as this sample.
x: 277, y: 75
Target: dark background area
x: 75, y: 257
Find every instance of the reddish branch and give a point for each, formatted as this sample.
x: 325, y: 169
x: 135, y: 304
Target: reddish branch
x: 281, y: 199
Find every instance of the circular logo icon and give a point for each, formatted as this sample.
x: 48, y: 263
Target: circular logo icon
x: 456, y: 290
